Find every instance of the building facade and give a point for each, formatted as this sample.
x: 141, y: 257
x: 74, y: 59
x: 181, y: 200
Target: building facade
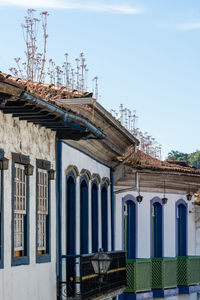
x: 158, y: 230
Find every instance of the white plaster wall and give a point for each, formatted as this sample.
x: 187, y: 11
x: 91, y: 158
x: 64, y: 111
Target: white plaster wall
x: 33, y: 281
x: 144, y: 243
x: 72, y: 156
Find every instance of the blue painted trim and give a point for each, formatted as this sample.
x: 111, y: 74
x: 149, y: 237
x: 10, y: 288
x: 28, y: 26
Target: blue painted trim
x: 22, y: 260
x: 152, y: 201
x: 44, y: 258
x: 165, y: 293
x: 181, y: 201
x: 189, y: 289
x: 2, y: 221
x: 136, y: 296
x: 59, y: 208
x: 2, y: 153
x: 124, y: 200
x: 112, y: 209
x: 85, y: 153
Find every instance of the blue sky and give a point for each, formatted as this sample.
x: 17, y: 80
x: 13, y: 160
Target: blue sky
x: 146, y: 54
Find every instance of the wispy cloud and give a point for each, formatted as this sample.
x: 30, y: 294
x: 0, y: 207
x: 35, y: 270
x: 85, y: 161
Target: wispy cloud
x: 188, y: 26
x: 97, y: 6
x: 183, y: 26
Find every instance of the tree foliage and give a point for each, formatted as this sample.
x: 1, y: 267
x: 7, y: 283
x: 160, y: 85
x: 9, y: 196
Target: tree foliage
x: 191, y: 158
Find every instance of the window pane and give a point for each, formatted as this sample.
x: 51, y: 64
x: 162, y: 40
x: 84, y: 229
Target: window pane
x: 19, y: 206
x: 42, y: 209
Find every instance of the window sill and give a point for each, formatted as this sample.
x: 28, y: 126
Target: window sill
x: 22, y: 260
x: 43, y: 258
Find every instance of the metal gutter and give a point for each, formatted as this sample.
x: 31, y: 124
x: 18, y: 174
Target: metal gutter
x: 103, y: 112
x: 66, y: 115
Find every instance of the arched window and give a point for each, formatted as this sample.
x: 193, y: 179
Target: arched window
x: 130, y: 229
x: 71, y: 214
x: 84, y: 215
x: 71, y: 225
x: 129, y: 238
x: 157, y: 228
x: 95, y: 239
x: 181, y: 228
x: 104, y: 216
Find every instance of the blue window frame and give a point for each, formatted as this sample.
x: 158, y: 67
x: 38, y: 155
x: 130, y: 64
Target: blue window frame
x: 43, y: 212
x: 95, y: 219
x: 104, y: 216
x: 84, y: 215
x: 1, y: 214
x: 20, y: 210
x: 181, y: 228
x: 157, y: 233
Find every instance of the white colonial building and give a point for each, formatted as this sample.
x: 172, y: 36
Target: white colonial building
x: 157, y: 223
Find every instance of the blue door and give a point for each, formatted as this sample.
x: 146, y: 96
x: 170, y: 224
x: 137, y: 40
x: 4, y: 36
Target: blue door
x: 157, y: 230
x: 131, y: 229
x: 104, y: 218
x: 71, y: 232
x: 84, y: 216
x: 182, y: 230
x: 94, y: 218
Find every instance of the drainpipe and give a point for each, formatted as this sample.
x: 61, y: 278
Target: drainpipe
x: 66, y: 115
x: 59, y: 210
x: 112, y: 210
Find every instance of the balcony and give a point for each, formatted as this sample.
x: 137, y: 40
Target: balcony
x: 138, y: 273
x: 82, y: 282
x: 163, y: 275
x: 188, y: 273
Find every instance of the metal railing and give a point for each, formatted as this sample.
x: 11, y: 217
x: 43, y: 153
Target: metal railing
x: 79, y: 280
x: 164, y: 273
x: 188, y: 270
x: 138, y: 274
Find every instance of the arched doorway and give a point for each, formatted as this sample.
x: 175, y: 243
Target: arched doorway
x: 84, y: 216
x: 70, y: 229
x: 95, y: 222
x: 130, y: 229
x: 181, y: 228
x: 157, y: 229
x: 104, y: 217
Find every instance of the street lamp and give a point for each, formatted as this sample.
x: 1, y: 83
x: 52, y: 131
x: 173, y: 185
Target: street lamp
x: 139, y: 197
x: 164, y: 199
x: 51, y: 174
x: 4, y: 163
x: 189, y: 197
x: 29, y: 170
x: 101, y: 263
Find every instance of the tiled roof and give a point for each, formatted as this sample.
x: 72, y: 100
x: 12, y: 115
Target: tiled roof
x: 44, y: 91
x: 142, y: 161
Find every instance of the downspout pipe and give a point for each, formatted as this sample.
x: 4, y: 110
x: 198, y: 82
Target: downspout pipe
x: 66, y: 115
x: 59, y: 211
x: 112, y: 210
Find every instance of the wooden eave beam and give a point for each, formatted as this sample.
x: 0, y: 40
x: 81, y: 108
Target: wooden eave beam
x: 9, y: 89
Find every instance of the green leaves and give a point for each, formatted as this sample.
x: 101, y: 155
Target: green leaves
x: 191, y: 158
